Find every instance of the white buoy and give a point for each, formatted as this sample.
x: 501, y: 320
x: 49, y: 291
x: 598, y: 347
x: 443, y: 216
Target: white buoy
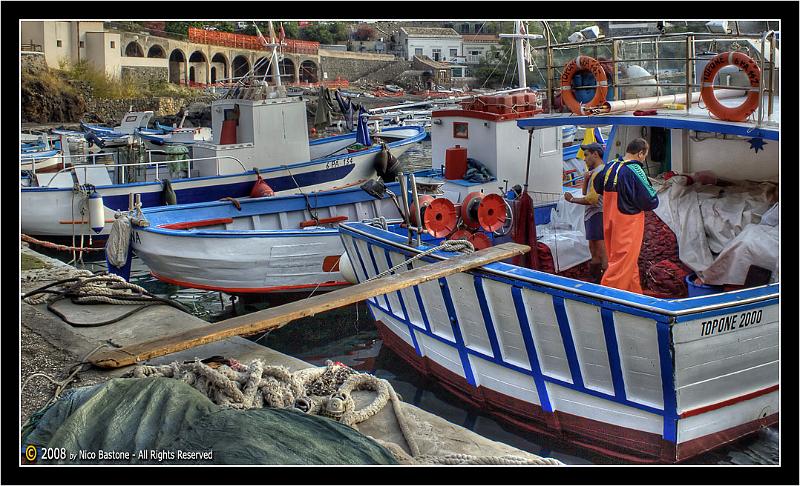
x: 346, y: 269
x: 97, y: 212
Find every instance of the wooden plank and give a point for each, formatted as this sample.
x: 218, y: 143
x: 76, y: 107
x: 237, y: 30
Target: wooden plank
x: 282, y: 315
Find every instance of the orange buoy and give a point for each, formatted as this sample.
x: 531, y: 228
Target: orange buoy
x: 746, y: 64
x: 440, y: 217
x: 582, y: 63
x: 492, y: 212
x: 261, y: 188
x: 480, y: 241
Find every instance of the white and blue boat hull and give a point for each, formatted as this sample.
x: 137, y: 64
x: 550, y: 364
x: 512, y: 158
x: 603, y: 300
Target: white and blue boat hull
x: 639, y: 378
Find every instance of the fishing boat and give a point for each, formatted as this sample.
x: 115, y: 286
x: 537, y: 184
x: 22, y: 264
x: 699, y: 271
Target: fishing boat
x: 644, y: 378
x: 260, y: 134
x: 44, y: 161
x: 281, y: 244
x: 288, y: 163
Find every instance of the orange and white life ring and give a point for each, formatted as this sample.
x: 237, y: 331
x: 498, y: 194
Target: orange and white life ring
x: 746, y: 64
x: 579, y: 64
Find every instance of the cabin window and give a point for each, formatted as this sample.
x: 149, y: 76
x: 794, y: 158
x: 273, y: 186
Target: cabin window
x: 58, y: 43
x: 130, y: 118
x: 460, y: 130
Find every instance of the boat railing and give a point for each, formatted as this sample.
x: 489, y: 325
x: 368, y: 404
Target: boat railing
x: 163, y: 152
x: 85, y: 167
x: 663, y: 48
x: 62, y: 157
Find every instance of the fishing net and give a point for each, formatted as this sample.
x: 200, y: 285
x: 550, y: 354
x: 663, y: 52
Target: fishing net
x: 163, y: 414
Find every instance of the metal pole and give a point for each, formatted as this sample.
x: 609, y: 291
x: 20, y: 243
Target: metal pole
x: 615, y: 74
x: 520, y: 54
x: 761, y: 83
x: 549, y: 69
x: 276, y: 75
x: 404, y: 197
x: 771, y: 75
x: 688, y: 73
x: 528, y: 168
x: 655, y: 47
x: 416, y: 208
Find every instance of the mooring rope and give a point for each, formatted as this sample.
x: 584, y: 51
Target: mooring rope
x: 54, y: 246
x: 462, y: 246
x: 84, y: 287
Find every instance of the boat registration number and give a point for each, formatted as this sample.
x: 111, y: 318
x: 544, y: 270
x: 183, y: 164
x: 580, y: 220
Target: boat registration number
x: 729, y: 323
x: 339, y: 163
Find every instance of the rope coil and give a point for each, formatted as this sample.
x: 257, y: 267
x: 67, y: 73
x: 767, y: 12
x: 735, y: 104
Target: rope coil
x: 84, y: 287
x: 325, y: 391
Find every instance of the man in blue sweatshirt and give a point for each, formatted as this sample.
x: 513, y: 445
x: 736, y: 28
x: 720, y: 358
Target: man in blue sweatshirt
x: 626, y: 193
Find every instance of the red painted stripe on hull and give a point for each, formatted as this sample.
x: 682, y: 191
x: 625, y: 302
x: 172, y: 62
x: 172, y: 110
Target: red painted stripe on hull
x: 631, y: 445
x: 725, y: 403
x: 249, y: 290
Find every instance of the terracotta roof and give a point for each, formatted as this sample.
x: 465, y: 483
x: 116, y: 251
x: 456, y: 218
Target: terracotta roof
x: 480, y: 38
x: 431, y: 31
x: 430, y: 62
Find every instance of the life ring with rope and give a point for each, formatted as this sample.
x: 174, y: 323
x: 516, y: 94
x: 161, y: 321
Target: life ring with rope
x: 582, y: 63
x: 746, y: 64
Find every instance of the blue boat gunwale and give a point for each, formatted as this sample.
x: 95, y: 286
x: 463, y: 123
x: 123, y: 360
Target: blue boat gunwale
x: 375, y: 149
x: 664, y: 310
x: 206, y: 210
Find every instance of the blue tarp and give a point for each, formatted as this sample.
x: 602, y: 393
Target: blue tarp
x: 362, y: 131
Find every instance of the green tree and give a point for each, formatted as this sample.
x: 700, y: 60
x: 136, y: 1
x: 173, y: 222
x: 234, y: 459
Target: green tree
x: 498, y: 67
x: 325, y: 33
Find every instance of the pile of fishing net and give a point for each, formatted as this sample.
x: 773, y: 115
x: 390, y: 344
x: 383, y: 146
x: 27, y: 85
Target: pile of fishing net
x: 153, y: 418
x: 660, y: 269
x: 547, y: 264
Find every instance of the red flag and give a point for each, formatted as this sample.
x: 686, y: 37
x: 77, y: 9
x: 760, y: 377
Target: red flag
x: 281, y: 35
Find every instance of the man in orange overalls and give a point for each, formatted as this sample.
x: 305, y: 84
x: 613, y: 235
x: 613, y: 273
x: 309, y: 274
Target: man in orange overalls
x: 626, y: 194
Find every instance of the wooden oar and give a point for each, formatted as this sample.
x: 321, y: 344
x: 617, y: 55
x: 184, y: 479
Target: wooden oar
x: 279, y: 316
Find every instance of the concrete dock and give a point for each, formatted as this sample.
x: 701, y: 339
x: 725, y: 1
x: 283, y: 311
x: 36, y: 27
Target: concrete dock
x: 51, y: 345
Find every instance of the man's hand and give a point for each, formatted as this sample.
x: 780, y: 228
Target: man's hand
x: 568, y: 196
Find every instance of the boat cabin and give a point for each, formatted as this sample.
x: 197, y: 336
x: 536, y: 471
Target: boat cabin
x: 238, y: 127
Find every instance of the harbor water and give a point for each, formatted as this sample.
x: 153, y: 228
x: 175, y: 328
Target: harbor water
x: 349, y: 336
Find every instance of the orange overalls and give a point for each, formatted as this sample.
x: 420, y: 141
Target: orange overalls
x: 623, y: 235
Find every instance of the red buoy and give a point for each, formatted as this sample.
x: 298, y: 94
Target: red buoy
x: 440, y: 217
x: 492, y: 212
x: 261, y: 188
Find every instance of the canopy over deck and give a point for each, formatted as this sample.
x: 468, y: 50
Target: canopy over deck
x: 697, y: 119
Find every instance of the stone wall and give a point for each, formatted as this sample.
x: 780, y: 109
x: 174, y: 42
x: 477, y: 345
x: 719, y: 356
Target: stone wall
x: 378, y: 69
x: 113, y: 110
x: 32, y: 61
x: 137, y: 74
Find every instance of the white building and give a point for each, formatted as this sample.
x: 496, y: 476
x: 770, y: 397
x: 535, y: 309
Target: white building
x: 66, y: 41
x: 477, y: 46
x: 439, y: 44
